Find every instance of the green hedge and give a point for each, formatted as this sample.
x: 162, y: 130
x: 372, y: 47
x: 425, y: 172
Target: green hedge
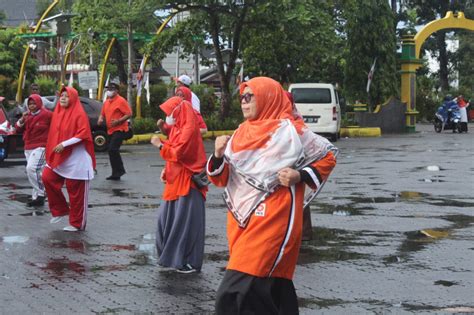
x: 144, y: 125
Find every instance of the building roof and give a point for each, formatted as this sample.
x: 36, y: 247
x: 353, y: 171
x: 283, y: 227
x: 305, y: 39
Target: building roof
x: 19, y: 11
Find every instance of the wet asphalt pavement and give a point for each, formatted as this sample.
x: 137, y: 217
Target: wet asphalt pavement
x: 393, y: 233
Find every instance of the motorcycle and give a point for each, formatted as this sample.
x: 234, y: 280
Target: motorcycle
x: 448, y: 117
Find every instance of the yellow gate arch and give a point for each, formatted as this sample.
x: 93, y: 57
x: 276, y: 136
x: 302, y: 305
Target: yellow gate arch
x: 411, y: 47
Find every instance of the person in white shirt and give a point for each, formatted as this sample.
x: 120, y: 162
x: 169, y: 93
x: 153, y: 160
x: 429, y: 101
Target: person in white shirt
x: 186, y: 81
x: 70, y: 160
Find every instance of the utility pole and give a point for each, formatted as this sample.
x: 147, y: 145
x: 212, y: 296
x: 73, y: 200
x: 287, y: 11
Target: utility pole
x: 130, y: 59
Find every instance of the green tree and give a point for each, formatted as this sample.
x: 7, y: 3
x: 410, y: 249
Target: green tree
x: 10, y: 48
x: 215, y: 24
x: 463, y: 58
x: 104, y: 18
x: 294, y: 41
x: 3, y: 16
x: 370, y: 35
x: 427, y: 11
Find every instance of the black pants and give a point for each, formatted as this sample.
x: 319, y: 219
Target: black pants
x: 241, y: 293
x: 116, y: 162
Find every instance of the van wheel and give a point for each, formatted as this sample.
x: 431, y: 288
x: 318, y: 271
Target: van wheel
x: 334, y: 137
x: 101, y: 140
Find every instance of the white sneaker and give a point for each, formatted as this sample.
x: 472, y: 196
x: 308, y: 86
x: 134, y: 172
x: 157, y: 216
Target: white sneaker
x: 55, y: 219
x: 70, y: 228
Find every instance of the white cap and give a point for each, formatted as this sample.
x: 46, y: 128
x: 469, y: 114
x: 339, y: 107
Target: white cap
x: 185, y: 79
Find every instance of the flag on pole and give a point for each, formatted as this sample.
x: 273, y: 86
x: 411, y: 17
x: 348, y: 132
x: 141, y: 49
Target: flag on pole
x: 140, y: 74
x: 147, y: 86
x: 71, y: 80
x: 104, y: 97
x: 370, y: 75
x: 240, y: 77
x: 24, y: 80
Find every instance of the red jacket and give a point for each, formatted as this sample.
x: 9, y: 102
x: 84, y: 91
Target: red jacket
x: 36, y: 126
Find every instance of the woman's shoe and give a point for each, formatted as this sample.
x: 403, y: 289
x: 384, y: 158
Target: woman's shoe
x: 70, y: 228
x: 55, y: 219
x: 186, y: 269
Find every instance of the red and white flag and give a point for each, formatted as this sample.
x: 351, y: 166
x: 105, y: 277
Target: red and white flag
x: 71, y: 80
x: 140, y: 76
x: 240, y: 77
x: 104, y: 97
x: 370, y: 75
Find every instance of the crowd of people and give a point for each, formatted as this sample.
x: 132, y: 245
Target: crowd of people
x: 264, y: 168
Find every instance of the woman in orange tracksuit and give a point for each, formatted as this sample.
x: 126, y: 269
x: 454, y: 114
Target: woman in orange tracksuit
x: 264, y: 167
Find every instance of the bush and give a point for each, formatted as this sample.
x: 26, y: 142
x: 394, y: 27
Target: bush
x: 7, y: 88
x: 158, y: 94
x: 207, y: 98
x: 214, y: 122
x: 144, y: 125
x: 47, y: 85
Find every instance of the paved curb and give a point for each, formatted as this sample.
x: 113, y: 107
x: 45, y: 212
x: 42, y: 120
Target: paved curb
x: 145, y: 138
x: 351, y: 132
x: 356, y: 132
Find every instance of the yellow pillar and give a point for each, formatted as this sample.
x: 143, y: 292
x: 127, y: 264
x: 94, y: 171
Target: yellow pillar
x: 158, y: 32
x: 408, y: 77
x: 100, y: 91
x: 21, y: 75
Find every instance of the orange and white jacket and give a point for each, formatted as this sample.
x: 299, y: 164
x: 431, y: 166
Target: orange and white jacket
x: 266, y: 243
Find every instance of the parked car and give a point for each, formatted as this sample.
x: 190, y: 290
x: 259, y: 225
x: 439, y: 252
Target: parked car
x: 318, y: 103
x: 13, y: 143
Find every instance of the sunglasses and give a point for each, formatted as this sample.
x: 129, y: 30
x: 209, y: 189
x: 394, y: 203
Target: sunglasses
x: 247, y: 97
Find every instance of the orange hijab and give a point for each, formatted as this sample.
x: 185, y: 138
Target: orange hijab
x: 272, y: 105
x: 67, y: 123
x: 184, y: 137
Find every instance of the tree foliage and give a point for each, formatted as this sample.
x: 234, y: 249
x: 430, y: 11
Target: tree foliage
x: 216, y: 24
x: 294, y: 41
x: 11, y: 47
x: 370, y: 35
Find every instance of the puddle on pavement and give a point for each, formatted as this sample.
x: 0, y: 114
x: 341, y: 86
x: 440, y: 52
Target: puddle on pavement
x: 430, y: 168
x: 14, y: 239
x: 13, y: 186
x: 146, y: 251
x: 20, y: 197
x: 446, y: 283
x: 124, y: 193
x: 410, y: 196
x: 61, y: 267
x: 126, y: 205
x: 339, y: 210
x: 33, y: 213
x: 418, y: 240
x: 331, y: 245
x: 322, y: 303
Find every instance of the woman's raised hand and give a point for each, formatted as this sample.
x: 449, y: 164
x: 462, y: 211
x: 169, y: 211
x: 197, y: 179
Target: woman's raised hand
x: 220, y: 145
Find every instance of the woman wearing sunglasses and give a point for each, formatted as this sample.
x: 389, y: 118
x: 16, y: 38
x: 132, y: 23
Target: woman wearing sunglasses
x: 264, y: 168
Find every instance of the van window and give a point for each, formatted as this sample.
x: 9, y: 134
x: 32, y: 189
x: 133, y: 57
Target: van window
x: 311, y: 95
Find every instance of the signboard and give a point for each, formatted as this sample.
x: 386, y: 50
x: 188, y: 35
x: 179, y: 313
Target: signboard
x: 88, y: 80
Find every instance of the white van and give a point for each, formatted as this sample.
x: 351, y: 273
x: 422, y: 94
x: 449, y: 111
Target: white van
x: 318, y: 103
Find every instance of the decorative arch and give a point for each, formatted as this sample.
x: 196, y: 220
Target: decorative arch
x: 411, y: 47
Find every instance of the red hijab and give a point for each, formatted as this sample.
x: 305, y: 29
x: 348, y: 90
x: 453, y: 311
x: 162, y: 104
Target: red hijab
x: 184, y: 138
x: 66, y: 123
x: 37, y: 99
x: 186, y: 92
x: 272, y: 105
